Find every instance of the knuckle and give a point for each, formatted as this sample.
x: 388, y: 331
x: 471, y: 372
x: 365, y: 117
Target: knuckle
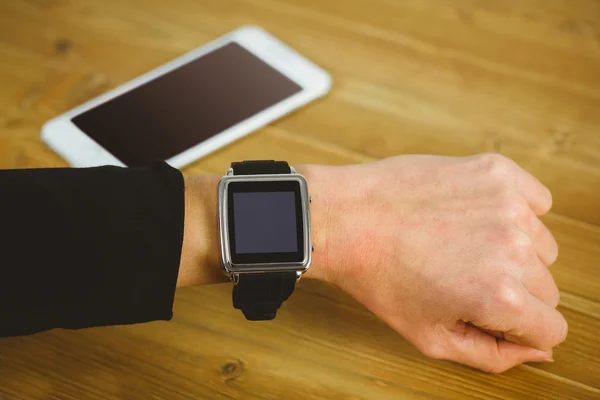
x: 557, y: 335
x: 550, y: 200
x: 550, y: 334
x: 547, y: 199
x: 552, y: 338
x: 565, y: 331
x: 507, y: 295
x: 521, y: 249
x: 514, y: 244
x: 494, y: 163
x: 554, y: 294
x: 554, y: 255
x: 556, y: 298
x: 513, y: 207
x: 552, y: 252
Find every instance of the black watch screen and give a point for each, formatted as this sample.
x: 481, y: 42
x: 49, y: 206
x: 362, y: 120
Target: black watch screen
x: 265, y: 222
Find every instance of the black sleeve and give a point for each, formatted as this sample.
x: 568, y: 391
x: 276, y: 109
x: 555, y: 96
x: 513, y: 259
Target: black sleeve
x: 88, y: 247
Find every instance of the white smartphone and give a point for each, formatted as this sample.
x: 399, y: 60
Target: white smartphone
x: 190, y: 106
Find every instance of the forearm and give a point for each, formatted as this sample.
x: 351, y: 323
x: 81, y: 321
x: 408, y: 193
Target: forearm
x: 86, y: 247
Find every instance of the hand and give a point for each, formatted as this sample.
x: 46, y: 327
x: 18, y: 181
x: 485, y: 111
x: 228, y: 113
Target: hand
x: 448, y: 251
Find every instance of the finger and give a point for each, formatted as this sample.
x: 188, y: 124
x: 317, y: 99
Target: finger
x: 480, y: 350
x: 534, y: 273
x: 543, y: 241
x: 537, y: 195
x: 529, y: 321
x: 540, y: 236
x: 531, y: 273
x: 496, y: 334
x: 524, y: 318
x: 538, y: 281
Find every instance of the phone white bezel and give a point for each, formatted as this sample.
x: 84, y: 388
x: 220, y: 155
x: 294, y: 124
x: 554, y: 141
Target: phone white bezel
x: 79, y: 150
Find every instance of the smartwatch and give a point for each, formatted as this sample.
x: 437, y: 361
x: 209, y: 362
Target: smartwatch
x: 264, y: 224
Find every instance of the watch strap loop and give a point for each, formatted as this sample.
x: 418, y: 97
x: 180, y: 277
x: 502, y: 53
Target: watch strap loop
x: 260, y: 167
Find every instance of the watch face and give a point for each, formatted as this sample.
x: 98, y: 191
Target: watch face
x: 265, y: 222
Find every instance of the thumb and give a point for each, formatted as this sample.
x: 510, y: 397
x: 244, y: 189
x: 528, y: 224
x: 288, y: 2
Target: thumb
x: 471, y: 346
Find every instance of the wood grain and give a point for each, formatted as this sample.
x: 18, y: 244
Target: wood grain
x: 429, y: 76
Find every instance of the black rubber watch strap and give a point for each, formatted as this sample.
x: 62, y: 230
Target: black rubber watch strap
x: 260, y: 167
x: 259, y: 296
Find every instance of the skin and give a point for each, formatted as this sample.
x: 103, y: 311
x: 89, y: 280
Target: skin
x: 449, y: 251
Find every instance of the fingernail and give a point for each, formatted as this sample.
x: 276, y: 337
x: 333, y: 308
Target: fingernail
x: 549, y: 359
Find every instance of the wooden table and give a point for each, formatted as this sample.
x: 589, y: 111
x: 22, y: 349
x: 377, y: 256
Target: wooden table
x: 454, y: 77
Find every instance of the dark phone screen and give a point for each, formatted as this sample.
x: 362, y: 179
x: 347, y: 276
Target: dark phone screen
x: 186, y: 106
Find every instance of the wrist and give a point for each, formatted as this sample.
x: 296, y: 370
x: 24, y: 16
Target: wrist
x: 342, y: 248
x: 319, y: 215
x: 200, y: 255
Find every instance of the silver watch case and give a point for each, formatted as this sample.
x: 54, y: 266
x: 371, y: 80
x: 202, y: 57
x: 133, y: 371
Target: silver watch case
x: 232, y: 269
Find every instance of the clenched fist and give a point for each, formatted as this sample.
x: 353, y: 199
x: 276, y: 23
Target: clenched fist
x: 450, y: 252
